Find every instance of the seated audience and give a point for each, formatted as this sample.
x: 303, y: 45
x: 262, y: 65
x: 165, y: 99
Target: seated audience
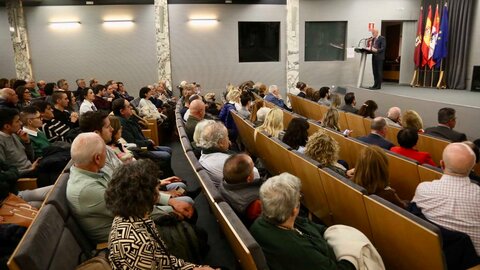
x: 246, y: 102
x: 335, y: 101
x: 233, y: 97
x: 378, y: 131
x: 134, y: 241
x: 117, y: 143
x: 309, y: 91
x: 411, y: 119
x: 197, y: 136
x: 371, y: 172
x: 239, y: 187
x: 87, y: 104
x: 453, y: 201
x: 146, y: 107
x: 257, y: 105
x: 274, y: 96
x: 122, y: 92
x: 331, y: 119
x: 325, y: 150
x: 54, y: 129
x: 4, y: 83
x: 60, y: 110
x: 100, y: 102
x: 296, y: 135
x: 41, y: 87
x: 273, y: 124
x: 24, y: 97
x: 86, y: 189
x: 32, y: 122
x: 215, y: 143
x: 190, y: 100
x: 393, y: 117
x: 368, y: 109
x: 8, y: 98
x: 350, y: 103
x: 446, y: 123
x: 324, y: 94
x: 301, y: 86
x: 197, y: 114
x: 473, y: 175
x: 288, y: 241
x: 407, y: 139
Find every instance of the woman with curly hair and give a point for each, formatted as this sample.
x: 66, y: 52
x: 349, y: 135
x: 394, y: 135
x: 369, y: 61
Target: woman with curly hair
x: 371, y: 172
x: 411, y: 119
x: 273, y: 124
x: 325, y: 150
x: 134, y: 241
x: 368, y: 109
x: 296, y: 135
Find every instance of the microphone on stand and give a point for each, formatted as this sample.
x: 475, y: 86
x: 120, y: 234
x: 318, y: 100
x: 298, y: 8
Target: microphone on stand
x: 363, y: 39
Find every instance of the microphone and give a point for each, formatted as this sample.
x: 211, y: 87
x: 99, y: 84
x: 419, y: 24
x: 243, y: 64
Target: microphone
x: 363, y: 39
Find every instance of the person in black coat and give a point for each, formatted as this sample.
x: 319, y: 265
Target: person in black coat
x: 378, y: 45
x: 377, y: 134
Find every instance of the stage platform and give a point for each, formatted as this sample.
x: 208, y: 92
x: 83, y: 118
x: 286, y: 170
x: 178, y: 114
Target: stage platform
x: 426, y: 101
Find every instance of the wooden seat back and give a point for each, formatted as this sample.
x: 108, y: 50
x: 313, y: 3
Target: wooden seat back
x: 314, y: 197
x: 246, y: 132
x: 355, y: 123
x: 403, y: 175
x: 392, y: 134
x: 345, y: 200
x: 367, y: 124
x: 280, y: 154
x: 432, y: 145
x: 342, y: 120
x: 428, y: 173
x: 403, y: 240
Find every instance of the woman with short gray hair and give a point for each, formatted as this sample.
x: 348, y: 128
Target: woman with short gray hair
x: 288, y: 241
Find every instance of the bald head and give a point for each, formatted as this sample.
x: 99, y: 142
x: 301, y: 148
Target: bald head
x: 394, y: 113
x: 86, y: 148
x: 9, y: 95
x: 374, y: 32
x: 197, y: 108
x: 458, y: 159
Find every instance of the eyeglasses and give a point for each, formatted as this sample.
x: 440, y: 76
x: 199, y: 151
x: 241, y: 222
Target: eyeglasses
x: 37, y: 117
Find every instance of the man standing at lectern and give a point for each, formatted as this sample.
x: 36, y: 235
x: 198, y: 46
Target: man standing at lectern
x: 377, y: 46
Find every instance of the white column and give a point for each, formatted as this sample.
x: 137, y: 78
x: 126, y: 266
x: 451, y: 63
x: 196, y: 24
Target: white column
x: 18, y: 34
x: 163, y: 41
x: 293, y: 41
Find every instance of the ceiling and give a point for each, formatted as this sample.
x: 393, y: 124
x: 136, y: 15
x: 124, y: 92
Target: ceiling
x: 140, y: 2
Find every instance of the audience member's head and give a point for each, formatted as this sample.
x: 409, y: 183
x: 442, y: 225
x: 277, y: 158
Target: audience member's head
x: 245, y: 100
x: 280, y: 198
x: 23, y: 94
x: 93, y: 82
x: 371, y: 169
x: 322, y: 148
x: 336, y: 101
x: 18, y: 83
x: 233, y: 95
x: 475, y: 149
x: 331, y: 119
x: 62, y: 84
x: 4, y: 83
x: 9, y: 95
x: 144, y: 92
x: 9, y: 121
x: 273, y: 123
x: 458, y: 159
x: 273, y: 89
x: 296, y: 134
x: 116, y: 129
x: 41, y: 84
x: 407, y: 138
x: 257, y: 105
x: 350, y: 99
x: 197, y: 109
x: 324, y: 92
x: 45, y: 109
x: 411, y: 119
x: 309, y: 93
x: 215, y: 136
x: 88, y: 94
x: 368, y: 109
x: 81, y: 83
x: 197, y: 134
x: 31, y: 117
x: 446, y: 116
x: 121, y: 107
x: 238, y: 168
x: 379, y: 126
x: 262, y: 113
x: 88, y: 151
x: 316, y: 96
x: 99, y: 90
x: 301, y: 86
x: 394, y: 114
x: 132, y: 192
x: 97, y: 122
x: 49, y: 88
x: 60, y: 99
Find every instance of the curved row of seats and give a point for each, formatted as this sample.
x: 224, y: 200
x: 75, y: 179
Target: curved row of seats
x: 248, y: 253
x: 400, y: 237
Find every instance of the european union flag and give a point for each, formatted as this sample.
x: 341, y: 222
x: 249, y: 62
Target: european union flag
x: 441, y: 50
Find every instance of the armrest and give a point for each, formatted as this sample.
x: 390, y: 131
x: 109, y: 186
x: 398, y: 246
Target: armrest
x: 101, y: 246
x: 147, y: 133
x: 26, y: 183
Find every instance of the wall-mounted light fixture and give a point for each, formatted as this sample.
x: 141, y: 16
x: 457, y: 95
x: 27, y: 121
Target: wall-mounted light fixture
x: 203, y: 21
x: 118, y: 23
x: 65, y: 25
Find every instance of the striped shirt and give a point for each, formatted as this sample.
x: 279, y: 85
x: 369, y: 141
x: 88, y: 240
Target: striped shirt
x: 55, y: 130
x: 452, y: 202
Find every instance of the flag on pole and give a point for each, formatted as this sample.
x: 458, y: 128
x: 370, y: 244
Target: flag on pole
x: 441, y: 49
x: 426, y: 37
x: 433, y: 41
x: 417, y: 56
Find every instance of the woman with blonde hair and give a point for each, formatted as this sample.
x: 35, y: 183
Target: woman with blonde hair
x: 331, y: 119
x: 325, y: 150
x: 233, y: 97
x: 411, y: 119
x: 371, y: 172
x: 273, y: 124
x: 335, y: 100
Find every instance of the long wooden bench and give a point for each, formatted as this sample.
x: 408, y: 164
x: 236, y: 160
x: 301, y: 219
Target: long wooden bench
x: 432, y: 145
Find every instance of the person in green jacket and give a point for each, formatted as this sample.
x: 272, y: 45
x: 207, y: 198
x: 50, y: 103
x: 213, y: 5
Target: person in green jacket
x: 32, y: 121
x: 288, y: 241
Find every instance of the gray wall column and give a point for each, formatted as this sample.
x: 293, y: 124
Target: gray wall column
x: 293, y: 40
x: 163, y: 41
x: 18, y: 34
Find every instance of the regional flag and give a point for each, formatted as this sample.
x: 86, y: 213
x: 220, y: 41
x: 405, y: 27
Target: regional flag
x: 426, y: 37
x: 441, y: 49
x: 433, y: 41
x: 417, y: 56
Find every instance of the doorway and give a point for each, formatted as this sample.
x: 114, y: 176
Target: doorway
x: 392, y: 31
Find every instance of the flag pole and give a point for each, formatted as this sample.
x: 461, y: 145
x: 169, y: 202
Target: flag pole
x: 425, y: 76
x: 431, y: 75
x: 414, y: 78
x: 440, y: 78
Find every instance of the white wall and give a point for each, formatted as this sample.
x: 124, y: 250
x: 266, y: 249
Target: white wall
x: 358, y: 14
x: 126, y: 55
x: 209, y: 54
x: 7, y: 63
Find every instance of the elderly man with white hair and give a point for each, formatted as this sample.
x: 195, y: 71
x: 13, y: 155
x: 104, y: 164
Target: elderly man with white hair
x: 453, y: 201
x: 288, y: 241
x: 393, y: 117
x: 214, y: 143
x: 8, y: 98
x: 274, y: 96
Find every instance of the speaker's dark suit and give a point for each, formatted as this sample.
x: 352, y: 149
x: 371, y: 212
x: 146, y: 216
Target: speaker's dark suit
x: 377, y: 61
